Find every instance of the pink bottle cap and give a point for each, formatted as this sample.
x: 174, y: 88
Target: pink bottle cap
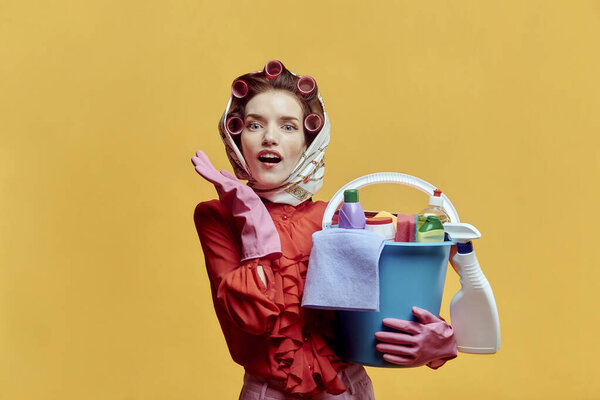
x: 234, y: 125
x: 313, y: 122
x: 273, y: 69
x: 306, y: 85
x: 239, y: 89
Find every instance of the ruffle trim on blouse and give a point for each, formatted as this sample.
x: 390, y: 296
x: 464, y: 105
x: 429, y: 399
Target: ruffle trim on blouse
x: 301, y: 361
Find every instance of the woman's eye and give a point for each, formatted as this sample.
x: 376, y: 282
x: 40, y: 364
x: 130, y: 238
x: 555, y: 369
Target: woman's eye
x: 289, y: 128
x: 253, y: 125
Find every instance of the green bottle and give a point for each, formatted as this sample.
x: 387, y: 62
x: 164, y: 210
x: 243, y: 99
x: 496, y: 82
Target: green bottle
x: 430, y: 230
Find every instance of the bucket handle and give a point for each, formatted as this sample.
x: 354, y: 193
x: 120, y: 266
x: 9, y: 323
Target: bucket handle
x: 386, y: 177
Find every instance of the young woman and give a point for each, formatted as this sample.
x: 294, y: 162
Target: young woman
x: 256, y: 240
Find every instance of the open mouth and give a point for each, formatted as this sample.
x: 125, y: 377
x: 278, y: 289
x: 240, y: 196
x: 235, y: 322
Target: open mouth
x: 269, y: 157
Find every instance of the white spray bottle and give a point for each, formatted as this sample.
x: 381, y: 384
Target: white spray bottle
x: 473, y: 311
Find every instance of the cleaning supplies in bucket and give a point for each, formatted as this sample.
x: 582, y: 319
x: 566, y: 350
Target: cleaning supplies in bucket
x: 421, y: 285
x: 408, y: 274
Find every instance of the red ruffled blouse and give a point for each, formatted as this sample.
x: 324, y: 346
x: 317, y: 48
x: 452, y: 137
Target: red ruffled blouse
x: 266, y: 330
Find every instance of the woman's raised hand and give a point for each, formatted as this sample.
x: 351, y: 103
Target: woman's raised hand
x: 259, y: 236
x: 430, y: 341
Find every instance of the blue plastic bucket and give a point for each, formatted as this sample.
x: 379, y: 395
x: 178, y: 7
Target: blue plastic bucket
x: 410, y: 274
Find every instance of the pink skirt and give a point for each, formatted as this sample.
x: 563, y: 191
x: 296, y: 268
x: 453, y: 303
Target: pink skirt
x: 355, y: 378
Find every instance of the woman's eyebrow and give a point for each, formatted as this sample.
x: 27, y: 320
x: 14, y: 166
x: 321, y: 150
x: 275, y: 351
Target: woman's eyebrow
x: 255, y: 116
x: 288, y: 118
x: 282, y: 118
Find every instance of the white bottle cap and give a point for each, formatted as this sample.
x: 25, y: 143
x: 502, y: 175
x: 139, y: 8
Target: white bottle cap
x: 436, y: 199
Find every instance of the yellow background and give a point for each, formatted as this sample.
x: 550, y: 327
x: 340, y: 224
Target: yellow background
x: 104, y: 294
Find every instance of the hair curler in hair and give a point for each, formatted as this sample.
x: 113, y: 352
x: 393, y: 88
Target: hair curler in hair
x: 313, y: 122
x: 234, y: 125
x: 239, y: 89
x: 273, y: 69
x: 306, y: 85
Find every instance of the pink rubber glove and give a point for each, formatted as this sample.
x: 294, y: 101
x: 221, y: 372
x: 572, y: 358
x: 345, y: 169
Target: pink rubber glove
x: 258, y: 233
x: 430, y: 341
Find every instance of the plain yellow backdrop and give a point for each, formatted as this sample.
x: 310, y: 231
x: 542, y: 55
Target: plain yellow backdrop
x: 104, y: 294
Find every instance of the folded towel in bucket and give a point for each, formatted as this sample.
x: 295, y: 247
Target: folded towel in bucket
x: 343, y: 270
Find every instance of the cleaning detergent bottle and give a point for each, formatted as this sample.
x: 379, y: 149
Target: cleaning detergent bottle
x: 473, y: 309
x: 431, y: 230
x: 435, y: 209
x: 352, y: 215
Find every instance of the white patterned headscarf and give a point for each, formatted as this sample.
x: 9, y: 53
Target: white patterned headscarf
x: 306, y: 178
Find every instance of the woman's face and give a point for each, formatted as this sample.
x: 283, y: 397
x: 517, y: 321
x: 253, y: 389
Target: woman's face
x: 273, y: 137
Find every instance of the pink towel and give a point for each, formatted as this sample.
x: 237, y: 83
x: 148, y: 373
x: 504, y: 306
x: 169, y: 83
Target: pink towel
x: 405, y: 228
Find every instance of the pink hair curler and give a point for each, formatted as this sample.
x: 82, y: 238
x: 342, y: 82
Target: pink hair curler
x: 306, y: 85
x: 273, y: 69
x: 234, y: 125
x: 313, y: 122
x: 239, y: 89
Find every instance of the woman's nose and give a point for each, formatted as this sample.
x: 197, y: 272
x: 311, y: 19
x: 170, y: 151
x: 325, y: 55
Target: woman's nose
x: 270, y: 136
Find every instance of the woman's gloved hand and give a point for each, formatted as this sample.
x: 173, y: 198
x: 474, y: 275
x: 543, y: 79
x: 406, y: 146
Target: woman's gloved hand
x: 430, y: 341
x: 259, y: 236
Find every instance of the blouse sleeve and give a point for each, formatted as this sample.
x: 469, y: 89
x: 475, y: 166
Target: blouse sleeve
x: 240, y: 291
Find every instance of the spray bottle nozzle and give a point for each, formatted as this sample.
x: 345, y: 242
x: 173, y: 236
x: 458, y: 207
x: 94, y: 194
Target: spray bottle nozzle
x: 461, y: 232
